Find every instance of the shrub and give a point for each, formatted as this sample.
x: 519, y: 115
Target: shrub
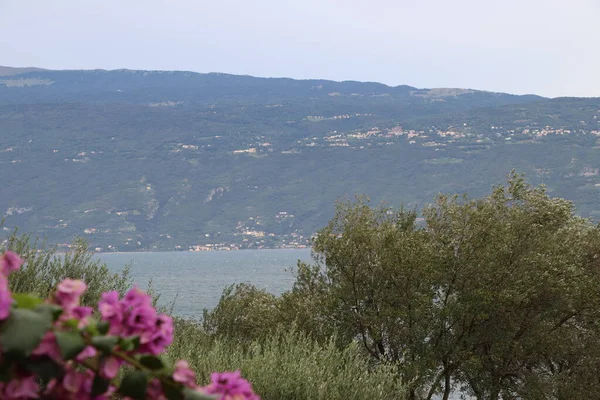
x: 45, y: 268
x: 288, y: 364
x: 244, y: 312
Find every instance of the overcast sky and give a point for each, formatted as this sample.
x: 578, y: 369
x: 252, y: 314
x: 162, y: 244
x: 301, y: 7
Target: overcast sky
x: 547, y: 47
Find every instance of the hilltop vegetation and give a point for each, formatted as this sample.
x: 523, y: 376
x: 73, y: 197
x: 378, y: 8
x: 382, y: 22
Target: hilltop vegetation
x: 170, y: 160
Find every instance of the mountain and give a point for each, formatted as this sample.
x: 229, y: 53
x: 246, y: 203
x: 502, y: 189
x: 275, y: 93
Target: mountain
x: 9, y: 71
x: 168, y: 160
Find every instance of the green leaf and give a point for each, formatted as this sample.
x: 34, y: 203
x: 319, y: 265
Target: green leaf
x: 91, y: 329
x: 70, y: 344
x: 5, y: 375
x: 134, y: 384
x: 105, y: 344
x: 52, y: 310
x: 99, y: 386
x: 23, y: 300
x: 103, y: 327
x: 23, y: 331
x: 191, y: 394
x: 72, y: 323
x: 151, y: 362
x: 172, y: 393
x: 130, y: 343
x: 44, y: 367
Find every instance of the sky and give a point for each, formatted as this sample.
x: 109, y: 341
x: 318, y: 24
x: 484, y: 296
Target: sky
x: 546, y: 47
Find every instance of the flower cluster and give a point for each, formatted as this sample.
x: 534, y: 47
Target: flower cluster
x: 135, y: 316
x: 76, y: 384
x: 9, y: 262
x: 230, y: 385
x: 59, y: 349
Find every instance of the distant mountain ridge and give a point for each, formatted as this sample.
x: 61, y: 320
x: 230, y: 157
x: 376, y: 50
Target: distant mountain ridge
x: 123, y: 79
x: 9, y: 71
x: 171, y: 160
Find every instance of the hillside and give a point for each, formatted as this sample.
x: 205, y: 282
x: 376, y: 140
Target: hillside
x: 168, y: 160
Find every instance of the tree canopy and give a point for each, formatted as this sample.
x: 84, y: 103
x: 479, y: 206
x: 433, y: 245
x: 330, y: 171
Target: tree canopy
x: 495, y: 297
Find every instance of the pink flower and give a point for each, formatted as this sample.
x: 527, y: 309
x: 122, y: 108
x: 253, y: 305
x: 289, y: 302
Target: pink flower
x: 154, y: 390
x: 231, y: 386
x: 75, y: 385
x: 10, y: 262
x: 24, y: 388
x: 140, y: 319
x: 110, y: 309
x: 135, y: 316
x: 48, y: 347
x: 5, y: 298
x: 80, y: 313
x: 68, y: 292
x: 183, y: 374
x: 136, y: 298
x: 79, y: 383
x: 73, y: 380
x: 110, y: 367
x: 87, y: 352
x: 160, y: 336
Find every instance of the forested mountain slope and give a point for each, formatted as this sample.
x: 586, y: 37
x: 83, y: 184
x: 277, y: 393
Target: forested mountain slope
x: 169, y: 160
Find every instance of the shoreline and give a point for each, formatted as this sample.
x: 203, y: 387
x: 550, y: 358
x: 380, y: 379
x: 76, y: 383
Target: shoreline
x: 201, y: 251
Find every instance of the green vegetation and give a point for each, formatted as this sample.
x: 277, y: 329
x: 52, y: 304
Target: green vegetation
x: 158, y: 157
x: 243, y: 313
x: 287, y: 364
x: 494, y: 296
x: 45, y: 268
x: 282, y: 364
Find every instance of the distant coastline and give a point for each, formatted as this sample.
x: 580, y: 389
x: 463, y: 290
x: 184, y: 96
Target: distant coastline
x: 63, y: 249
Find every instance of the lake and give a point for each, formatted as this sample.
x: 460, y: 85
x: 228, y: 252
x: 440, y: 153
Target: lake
x: 195, y: 280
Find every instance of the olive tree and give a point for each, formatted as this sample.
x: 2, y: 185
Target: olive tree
x: 515, y: 273
x: 497, y: 296
x: 374, y: 275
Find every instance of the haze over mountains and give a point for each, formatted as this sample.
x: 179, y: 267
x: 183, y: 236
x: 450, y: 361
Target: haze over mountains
x: 164, y: 160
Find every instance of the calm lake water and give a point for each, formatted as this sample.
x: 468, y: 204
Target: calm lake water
x: 195, y: 280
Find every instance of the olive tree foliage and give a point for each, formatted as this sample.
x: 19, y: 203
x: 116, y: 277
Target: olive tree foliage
x: 373, y: 276
x: 244, y: 313
x: 517, y: 279
x: 497, y: 297
x: 45, y: 267
x: 288, y: 364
